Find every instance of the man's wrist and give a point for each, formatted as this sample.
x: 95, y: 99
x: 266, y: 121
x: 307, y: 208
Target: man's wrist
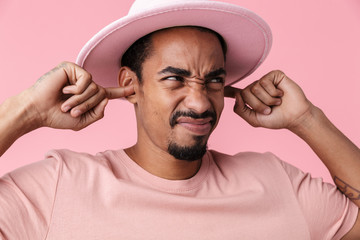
x: 20, y: 115
x: 309, y: 122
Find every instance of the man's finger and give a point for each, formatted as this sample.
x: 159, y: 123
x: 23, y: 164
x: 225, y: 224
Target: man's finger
x: 270, y: 88
x: 90, y: 117
x: 119, y: 92
x: 246, y: 113
x: 260, y: 93
x: 79, y: 79
x: 230, y: 91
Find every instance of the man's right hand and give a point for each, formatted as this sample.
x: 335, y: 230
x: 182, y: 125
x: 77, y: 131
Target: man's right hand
x: 67, y: 98
x: 64, y: 98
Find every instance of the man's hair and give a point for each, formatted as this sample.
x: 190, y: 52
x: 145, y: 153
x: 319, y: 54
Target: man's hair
x: 140, y: 50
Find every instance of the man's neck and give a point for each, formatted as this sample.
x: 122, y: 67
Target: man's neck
x: 162, y: 164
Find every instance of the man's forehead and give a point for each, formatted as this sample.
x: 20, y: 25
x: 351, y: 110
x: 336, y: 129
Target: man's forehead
x: 179, y: 43
x: 189, y: 35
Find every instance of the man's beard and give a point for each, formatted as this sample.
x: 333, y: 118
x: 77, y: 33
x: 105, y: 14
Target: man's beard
x: 188, y: 153
x: 198, y: 149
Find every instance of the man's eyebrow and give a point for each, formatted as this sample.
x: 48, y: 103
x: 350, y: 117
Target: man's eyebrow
x: 174, y: 70
x: 215, y: 73
x: 186, y: 73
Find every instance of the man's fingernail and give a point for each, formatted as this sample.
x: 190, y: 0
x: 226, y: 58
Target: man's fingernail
x: 66, y: 91
x: 267, y: 111
x: 76, y: 113
x: 66, y: 108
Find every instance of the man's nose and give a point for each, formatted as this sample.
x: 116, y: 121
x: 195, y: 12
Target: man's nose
x: 197, y: 98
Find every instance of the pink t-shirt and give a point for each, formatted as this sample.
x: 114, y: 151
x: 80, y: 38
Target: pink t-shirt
x: 108, y: 196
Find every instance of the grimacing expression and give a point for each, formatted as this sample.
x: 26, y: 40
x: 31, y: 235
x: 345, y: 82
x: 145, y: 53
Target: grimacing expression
x: 181, y: 94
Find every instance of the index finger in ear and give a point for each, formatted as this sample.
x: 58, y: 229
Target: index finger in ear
x: 119, y: 92
x: 230, y: 91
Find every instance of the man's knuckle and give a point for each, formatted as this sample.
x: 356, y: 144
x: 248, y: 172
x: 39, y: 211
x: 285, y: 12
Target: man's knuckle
x: 264, y: 82
x: 63, y: 63
x: 93, y: 88
x: 278, y: 72
x: 86, y: 107
x: 102, y: 92
x: 88, y: 75
x: 256, y: 89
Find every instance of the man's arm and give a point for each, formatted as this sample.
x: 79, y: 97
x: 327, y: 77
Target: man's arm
x: 64, y: 98
x: 275, y: 102
x: 15, y: 121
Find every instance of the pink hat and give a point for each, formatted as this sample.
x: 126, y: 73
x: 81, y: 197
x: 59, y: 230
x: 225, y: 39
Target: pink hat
x: 247, y: 36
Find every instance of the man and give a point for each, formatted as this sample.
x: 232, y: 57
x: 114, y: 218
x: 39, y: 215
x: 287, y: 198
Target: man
x: 167, y: 185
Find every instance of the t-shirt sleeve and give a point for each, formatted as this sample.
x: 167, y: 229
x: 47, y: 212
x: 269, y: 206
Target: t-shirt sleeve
x: 329, y: 213
x: 26, y: 200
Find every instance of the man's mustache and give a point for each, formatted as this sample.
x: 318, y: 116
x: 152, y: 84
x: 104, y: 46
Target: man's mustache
x: 193, y: 115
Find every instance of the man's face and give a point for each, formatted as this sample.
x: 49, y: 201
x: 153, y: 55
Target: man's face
x: 181, y: 96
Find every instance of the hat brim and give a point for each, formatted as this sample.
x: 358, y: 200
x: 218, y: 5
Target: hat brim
x: 247, y: 36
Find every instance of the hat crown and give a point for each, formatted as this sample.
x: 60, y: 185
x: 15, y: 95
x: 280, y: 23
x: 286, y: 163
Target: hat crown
x: 247, y: 36
x: 143, y: 5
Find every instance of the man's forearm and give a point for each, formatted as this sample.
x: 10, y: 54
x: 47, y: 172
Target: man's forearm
x: 15, y: 120
x: 337, y: 152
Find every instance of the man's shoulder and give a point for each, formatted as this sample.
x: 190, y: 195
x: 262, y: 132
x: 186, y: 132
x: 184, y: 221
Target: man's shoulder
x: 57, y: 160
x: 253, y: 163
x: 246, y: 157
x: 82, y: 160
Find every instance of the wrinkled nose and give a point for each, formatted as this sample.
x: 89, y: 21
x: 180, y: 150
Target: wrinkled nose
x: 197, y: 98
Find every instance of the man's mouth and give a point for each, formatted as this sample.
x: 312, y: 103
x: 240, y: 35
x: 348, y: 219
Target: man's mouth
x: 200, y: 126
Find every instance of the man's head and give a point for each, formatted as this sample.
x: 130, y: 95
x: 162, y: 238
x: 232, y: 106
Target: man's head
x: 180, y: 68
x: 178, y: 78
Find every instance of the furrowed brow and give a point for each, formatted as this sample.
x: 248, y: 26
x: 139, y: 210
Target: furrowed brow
x: 215, y: 73
x: 174, y: 70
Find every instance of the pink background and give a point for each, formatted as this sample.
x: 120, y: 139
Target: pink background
x: 315, y: 42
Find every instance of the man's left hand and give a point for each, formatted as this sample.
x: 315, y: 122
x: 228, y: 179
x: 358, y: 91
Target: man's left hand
x: 274, y: 101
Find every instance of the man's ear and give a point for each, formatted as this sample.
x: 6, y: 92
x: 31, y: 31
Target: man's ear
x: 127, y: 77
